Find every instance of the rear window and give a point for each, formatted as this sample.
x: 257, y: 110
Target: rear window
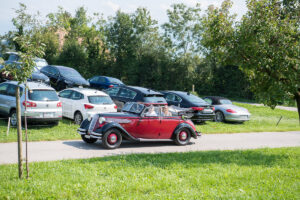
x: 43, y: 95
x: 100, y: 100
x: 114, y: 80
x: 155, y: 99
x: 194, y: 99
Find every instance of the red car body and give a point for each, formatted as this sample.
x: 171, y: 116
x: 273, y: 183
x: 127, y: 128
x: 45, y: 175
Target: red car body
x: 135, y: 125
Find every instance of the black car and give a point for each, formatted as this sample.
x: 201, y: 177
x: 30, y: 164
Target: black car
x: 122, y: 94
x: 35, y: 76
x: 104, y: 82
x: 202, y: 111
x: 62, y: 77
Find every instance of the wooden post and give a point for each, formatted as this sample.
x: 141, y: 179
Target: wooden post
x: 8, y: 126
x: 193, y: 88
x: 26, y: 136
x: 19, y: 130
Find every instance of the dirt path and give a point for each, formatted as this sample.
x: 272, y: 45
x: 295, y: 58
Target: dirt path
x: 59, y: 150
x: 279, y: 107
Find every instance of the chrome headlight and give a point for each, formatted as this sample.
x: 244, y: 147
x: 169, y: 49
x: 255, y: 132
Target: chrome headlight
x: 101, y: 120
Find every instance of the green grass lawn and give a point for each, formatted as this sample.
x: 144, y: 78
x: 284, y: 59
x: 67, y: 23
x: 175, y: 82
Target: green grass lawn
x: 251, y: 174
x: 262, y: 119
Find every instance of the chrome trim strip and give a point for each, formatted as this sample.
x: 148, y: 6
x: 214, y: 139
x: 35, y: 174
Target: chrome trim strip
x: 96, y: 137
x: 81, y: 129
x: 81, y: 133
x: 96, y: 134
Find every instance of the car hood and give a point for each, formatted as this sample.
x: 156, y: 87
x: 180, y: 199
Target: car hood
x: 238, y: 109
x: 118, y: 115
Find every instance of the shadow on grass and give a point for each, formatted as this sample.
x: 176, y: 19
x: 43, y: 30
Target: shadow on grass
x: 197, y: 159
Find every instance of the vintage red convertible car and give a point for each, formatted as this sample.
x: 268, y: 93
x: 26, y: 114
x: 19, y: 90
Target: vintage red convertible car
x: 137, y: 122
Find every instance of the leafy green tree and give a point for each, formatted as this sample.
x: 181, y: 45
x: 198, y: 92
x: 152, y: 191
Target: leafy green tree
x: 27, y: 49
x: 267, y: 43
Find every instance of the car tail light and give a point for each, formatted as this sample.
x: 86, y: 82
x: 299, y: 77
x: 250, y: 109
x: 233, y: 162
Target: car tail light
x: 87, y: 106
x: 110, y: 86
x: 116, y: 107
x: 59, y: 104
x: 230, y: 111
x: 198, y: 108
x: 213, y: 108
x: 29, y: 104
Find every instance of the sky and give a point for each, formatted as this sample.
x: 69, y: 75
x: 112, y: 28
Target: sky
x: 157, y: 8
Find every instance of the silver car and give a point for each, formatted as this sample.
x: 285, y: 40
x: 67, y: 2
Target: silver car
x: 43, y: 104
x: 226, y: 111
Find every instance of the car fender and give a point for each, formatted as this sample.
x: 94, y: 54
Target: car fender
x: 124, y: 133
x: 187, y: 126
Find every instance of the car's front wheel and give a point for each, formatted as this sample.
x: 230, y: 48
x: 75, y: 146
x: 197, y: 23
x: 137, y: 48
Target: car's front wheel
x: 112, y: 139
x: 219, y: 117
x: 88, y: 140
x: 183, y: 137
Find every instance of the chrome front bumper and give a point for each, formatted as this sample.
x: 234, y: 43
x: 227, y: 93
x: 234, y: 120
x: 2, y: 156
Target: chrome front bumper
x: 84, y: 132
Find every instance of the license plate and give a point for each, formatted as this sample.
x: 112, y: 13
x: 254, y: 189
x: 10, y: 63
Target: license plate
x: 48, y: 115
x: 207, y: 111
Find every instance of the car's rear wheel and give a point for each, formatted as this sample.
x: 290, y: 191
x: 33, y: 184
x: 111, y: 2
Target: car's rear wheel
x: 13, y: 118
x: 112, y: 139
x: 219, y: 117
x: 78, y: 118
x: 183, y: 137
x: 88, y: 140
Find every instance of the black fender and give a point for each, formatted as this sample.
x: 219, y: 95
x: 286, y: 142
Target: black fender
x: 124, y: 133
x: 187, y: 126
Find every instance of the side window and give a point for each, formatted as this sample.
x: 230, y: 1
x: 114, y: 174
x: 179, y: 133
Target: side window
x: 52, y: 71
x: 76, y: 96
x: 209, y: 101
x: 65, y: 93
x: 170, y: 97
x: 113, y: 91
x: 127, y: 93
x: 11, y: 90
x: 101, y: 80
x: 3, y: 88
x: 94, y: 79
x: 177, y: 98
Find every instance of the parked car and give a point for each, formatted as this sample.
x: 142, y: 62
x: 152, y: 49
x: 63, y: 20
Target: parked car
x: 226, y: 111
x: 62, y: 77
x: 202, y: 111
x: 123, y: 93
x: 104, y: 82
x: 43, y: 104
x: 134, y: 124
x: 81, y: 103
x: 12, y: 57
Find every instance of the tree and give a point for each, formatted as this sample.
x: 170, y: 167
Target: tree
x: 27, y: 49
x: 267, y: 44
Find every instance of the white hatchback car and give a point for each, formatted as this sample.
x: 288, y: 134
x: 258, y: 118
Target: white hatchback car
x: 81, y: 103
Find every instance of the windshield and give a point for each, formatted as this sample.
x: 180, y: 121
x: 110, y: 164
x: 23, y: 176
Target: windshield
x: 68, y: 72
x: 133, y: 107
x: 114, y: 80
x: 100, y: 100
x: 194, y: 99
x: 155, y: 99
x: 39, y: 63
x: 43, y: 95
x: 225, y: 101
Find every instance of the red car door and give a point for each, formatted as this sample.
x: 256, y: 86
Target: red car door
x: 168, y: 125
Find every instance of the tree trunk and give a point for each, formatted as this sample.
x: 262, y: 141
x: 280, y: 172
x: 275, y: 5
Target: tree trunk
x: 297, y: 98
x: 19, y: 130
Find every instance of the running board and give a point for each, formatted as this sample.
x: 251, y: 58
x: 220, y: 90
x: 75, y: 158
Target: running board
x: 154, y: 140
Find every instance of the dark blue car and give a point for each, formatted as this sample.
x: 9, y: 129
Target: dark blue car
x: 104, y: 82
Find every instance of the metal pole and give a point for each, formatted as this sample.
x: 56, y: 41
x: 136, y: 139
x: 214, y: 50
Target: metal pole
x: 26, y: 137
x: 279, y: 120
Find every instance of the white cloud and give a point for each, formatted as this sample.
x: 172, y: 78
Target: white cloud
x: 115, y: 7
